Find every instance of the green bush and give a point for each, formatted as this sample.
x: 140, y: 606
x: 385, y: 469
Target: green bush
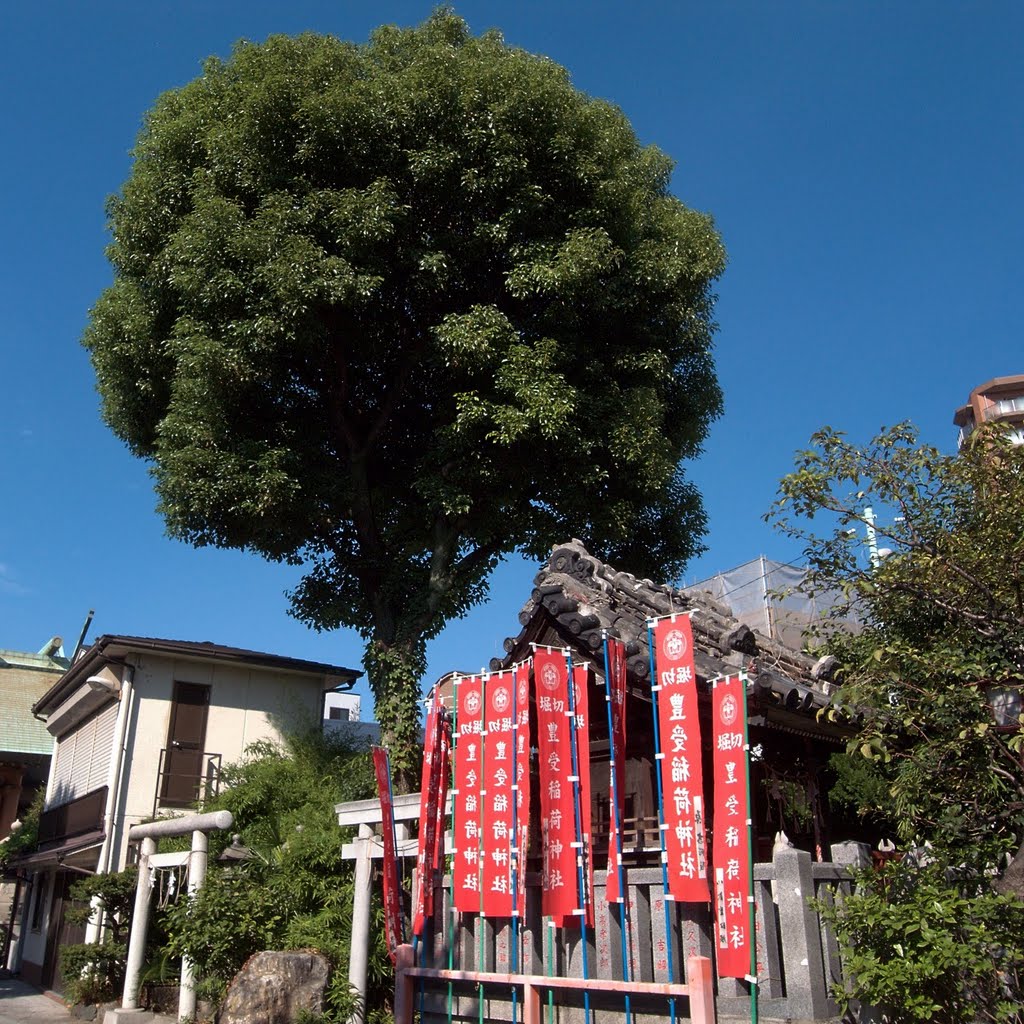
x: 25, y: 839
x: 93, y: 971
x: 928, y: 947
x: 294, y: 892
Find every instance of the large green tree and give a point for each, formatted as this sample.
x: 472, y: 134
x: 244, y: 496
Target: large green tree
x: 933, y: 683
x: 392, y: 311
x: 943, y: 614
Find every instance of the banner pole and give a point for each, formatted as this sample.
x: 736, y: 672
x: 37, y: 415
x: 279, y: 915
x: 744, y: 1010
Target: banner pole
x: 482, y: 922
x: 753, y: 979
x: 452, y: 912
x: 661, y: 815
x: 614, y: 755
x: 514, y: 850
x: 581, y: 857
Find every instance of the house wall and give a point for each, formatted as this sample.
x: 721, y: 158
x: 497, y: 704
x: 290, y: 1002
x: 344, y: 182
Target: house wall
x: 247, y: 704
x: 34, y: 945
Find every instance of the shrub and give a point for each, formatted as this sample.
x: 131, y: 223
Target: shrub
x: 928, y: 946
x: 294, y: 892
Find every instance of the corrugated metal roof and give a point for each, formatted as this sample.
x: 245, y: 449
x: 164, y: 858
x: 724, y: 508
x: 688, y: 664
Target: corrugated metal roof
x: 24, y: 678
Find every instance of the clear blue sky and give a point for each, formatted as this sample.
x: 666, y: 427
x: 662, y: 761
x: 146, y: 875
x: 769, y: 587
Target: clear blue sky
x: 863, y: 161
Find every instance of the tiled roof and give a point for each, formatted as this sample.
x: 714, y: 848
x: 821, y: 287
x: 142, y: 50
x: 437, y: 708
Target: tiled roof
x: 116, y: 646
x: 581, y: 597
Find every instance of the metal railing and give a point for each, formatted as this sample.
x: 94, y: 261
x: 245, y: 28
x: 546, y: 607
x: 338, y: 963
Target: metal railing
x: 187, y: 784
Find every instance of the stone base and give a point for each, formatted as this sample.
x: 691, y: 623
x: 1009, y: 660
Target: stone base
x: 122, y: 1016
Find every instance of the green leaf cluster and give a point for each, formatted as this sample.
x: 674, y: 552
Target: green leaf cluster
x: 93, y: 972
x: 294, y: 892
x: 392, y: 311
x: 943, y: 623
x: 924, y: 946
x: 24, y: 840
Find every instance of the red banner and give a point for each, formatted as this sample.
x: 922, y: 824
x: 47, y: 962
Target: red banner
x: 581, y: 702
x: 733, y: 884
x: 392, y: 893
x: 682, y: 783
x: 433, y: 792
x: 496, y: 795
x: 559, y: 897
x: 466, y: 809
x: 522, y: 787
x: 617, y: 768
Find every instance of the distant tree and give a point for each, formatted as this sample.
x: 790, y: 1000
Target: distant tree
x: 944, y: 621
x: 942, y: 650
x: 393, y: 311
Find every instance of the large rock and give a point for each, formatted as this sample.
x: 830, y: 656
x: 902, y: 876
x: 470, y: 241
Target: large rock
x: 271, y: 988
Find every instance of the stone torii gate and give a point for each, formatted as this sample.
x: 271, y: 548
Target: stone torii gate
x: 199, y: 825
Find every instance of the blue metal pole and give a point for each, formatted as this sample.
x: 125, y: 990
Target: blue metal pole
x: 580, y: 847
x: 658, y: 756
x: 616, y: 814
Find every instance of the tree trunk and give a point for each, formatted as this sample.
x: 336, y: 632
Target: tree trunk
x: 395, y: 670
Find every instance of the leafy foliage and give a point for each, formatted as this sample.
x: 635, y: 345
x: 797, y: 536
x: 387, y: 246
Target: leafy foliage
x: 25, y: 839
x: 394, y: 310
x: 94, y: 972
x: 105, y: 899
x: 294, y: 892
x: 943, y: 621
x: 925, y: 948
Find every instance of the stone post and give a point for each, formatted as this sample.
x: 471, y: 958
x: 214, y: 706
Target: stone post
x: 140, y: 926
x: 359, y: 949
x: 196, y: 877
x: 801, y: 936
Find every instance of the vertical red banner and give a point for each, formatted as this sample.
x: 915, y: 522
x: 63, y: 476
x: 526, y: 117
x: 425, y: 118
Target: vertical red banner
x: 557, y: 811
x: 466, y: 812
x: 581, y: 705
x: 430, y: 784
x: 733, y: 884
x: 392, y: 893
x: 617, y: 769
x: 682, y: 783
x: 497, y: 795
x: 522, y: 786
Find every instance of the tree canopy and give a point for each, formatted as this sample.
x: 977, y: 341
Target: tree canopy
x: 392, y: 311
x: 943, y: 621
x: 933, y: 683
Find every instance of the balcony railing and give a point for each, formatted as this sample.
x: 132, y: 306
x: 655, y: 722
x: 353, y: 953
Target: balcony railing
x: 186, y: 777
x: 77, y: 817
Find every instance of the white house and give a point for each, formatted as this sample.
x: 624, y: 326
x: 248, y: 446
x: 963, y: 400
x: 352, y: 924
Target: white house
x: 341, y: 718
x: 142, y: 728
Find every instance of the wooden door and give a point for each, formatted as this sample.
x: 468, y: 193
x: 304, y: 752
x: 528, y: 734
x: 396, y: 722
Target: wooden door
x: 60, y: 933
x: 183, y: 760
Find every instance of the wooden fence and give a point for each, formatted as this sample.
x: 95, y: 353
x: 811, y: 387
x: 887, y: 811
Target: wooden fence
x: 798, y: 958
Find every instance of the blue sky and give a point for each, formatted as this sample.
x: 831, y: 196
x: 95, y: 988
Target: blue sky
x: 863, y: 162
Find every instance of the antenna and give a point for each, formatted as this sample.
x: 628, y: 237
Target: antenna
x: 81, y: 638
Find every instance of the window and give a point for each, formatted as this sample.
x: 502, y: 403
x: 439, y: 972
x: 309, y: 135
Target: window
x: 1015, y: 403
x: 338, y: 714
x: 82, y: 758
x: 39, y: 890
x: 1005, y: 702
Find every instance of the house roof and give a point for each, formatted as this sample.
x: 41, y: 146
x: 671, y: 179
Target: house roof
x: 112, y: 647
x: 24, y: 678
x: 581, y: 597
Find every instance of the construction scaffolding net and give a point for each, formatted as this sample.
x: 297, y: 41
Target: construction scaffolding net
x: 773, y: 599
